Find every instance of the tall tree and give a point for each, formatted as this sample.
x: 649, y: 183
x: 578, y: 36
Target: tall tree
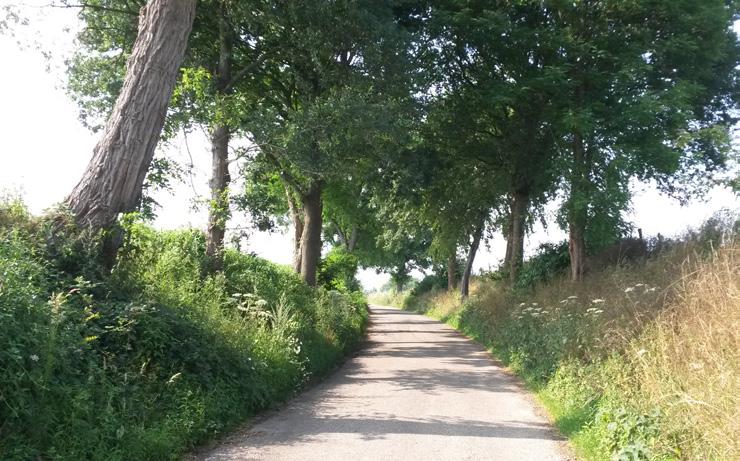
x: 651, y: 88
x: 224, y: 48
x: 501, y: 84
x: 113, y: 180
x: 329, y: 94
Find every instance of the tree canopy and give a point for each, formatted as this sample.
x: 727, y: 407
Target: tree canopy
x: 405, y: 132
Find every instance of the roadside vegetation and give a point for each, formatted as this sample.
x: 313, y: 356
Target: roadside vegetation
x: 637, y: 362
x: 392, y: 135
x: 145, y: 360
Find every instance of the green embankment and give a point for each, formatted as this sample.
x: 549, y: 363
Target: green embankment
x: 146, y: 360
x: 635, y: 363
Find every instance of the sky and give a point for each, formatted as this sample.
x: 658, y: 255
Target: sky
x: 44, y: 149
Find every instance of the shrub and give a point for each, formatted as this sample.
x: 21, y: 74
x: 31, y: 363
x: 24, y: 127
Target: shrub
x: 549, y: 261
x: 338, y: 271
x: 154, y: 357
x: 429, y: 283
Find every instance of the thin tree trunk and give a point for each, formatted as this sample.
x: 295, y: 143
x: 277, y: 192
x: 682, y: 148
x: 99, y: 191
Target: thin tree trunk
x: 577, y: 213
x: 113, y: 179
x: 340, y: 233
x: 400, y: 276
x: 465, y: 282
x: 519, y: 207
x: 311, y: 237
x: 353, y: 239
x: 452, y: 271
x: 218, y: 212
x: 295, y: 214
x: 507, y: 257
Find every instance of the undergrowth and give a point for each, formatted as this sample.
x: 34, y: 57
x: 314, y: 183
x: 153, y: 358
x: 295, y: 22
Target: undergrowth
x: 147, y: 359
x: 634, y: 363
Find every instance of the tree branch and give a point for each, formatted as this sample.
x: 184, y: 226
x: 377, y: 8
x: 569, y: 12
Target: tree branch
x: 95, y: 7
x: 285, y: 175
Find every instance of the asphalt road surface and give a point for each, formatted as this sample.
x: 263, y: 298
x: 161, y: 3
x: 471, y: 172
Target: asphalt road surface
x: 417, y: 391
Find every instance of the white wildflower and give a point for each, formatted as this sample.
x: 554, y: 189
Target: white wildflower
x: 535, y: 304
x: 629, y: 289
x: 260, y: 303
x: 34, y: 357
x: 522, y: 304
x: 696, y: 366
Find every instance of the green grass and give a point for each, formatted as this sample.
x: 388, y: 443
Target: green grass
x: 148, y: 359
x: 637, y: 363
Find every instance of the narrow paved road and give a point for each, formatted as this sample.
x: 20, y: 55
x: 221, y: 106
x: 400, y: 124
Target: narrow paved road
x: 418, y: 391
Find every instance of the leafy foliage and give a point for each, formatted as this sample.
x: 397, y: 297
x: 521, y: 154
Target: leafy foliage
x: 550, y: 261
x: 338, y: 271
x: 152, y: 358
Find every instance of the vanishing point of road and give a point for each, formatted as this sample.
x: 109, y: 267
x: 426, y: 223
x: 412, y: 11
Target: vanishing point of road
x: 418, y: 390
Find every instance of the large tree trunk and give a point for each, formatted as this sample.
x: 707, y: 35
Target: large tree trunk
x: 577, y: 211
x: 465, y: 281
x: 218, y: 212
x: 519, y: 207
x: 452, y: 271
x: 311, y: 238
x: 113, y: 179
x: 296, y: 216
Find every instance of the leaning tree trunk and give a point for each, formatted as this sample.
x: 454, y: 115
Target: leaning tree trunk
x: 114, y: 177
x: 519, y: 207
x: 452, y: 271
x: 577, y: 212
x: 218, y: 212
x: 465, y: 281
x: 311, y: 238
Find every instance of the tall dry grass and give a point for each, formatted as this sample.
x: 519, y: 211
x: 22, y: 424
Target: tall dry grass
x: 686, y: 362
x: 661, y: 335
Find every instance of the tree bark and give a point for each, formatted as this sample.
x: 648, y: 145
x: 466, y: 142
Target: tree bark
x: 465, y: 281
x: 311, y: 237
x: 218, y: 212
x: 519, y: 207
x: 452, y: 271
x: 295, y: 214
x: 352, y: 244
x: 507, y: 257
x: 113, y: 179
x: 577, y: 212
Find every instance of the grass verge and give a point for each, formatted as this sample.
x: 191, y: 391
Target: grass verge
x: 635, y: 363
